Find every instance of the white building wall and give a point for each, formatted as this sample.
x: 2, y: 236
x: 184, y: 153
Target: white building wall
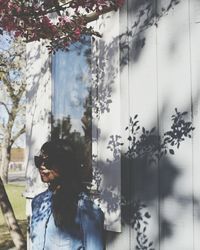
x: 159, y: 73
x: 38, y: 110
x: 106, y: 121
x: 149, y: 66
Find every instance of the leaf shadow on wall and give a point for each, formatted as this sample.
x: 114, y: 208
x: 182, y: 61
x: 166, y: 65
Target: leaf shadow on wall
x: 147, y: 174
x: 142, y: 16
x: 34, y: 92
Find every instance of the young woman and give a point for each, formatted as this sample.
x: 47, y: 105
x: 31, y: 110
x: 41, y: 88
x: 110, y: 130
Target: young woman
x: 63, y: 217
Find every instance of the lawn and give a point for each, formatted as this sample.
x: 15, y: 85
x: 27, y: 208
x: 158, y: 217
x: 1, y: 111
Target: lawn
x: 14, y: 192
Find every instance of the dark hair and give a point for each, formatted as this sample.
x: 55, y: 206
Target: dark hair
x: 69, y: 184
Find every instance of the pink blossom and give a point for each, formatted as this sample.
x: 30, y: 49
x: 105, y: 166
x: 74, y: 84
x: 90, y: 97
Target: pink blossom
x: 17, y: 33
x: 77, y: 31
x: 29, y: 19
x: 120, y: 2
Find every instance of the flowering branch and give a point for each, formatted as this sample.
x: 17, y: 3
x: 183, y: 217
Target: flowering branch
x: 62, y: 22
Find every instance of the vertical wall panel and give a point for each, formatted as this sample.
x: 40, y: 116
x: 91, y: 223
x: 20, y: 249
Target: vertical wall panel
x: 107, y: 121
x: 174, y: 91
x: 143, y: 102
x: 38, y: 109
x: 194, y: 25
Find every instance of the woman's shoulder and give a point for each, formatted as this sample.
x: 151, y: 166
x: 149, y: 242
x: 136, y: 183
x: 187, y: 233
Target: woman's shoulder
x: 43, y: 197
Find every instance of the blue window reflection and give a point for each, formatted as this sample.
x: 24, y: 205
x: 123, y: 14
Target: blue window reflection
x: 71, y: 83
x: 71, y: 101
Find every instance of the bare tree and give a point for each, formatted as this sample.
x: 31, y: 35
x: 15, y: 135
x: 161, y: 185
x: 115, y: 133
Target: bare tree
x: 12, y: 120
x: 12, y: 100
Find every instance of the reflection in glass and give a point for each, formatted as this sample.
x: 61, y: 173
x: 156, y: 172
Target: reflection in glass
x: 71, y: 110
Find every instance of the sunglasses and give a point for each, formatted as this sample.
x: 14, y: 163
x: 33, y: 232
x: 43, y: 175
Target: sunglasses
x: 41, y: 161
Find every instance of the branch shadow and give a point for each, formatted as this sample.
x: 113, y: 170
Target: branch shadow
x: 144, y: 167
x: 37, y: 86
x: 138, y: 168
x: 142, y: 15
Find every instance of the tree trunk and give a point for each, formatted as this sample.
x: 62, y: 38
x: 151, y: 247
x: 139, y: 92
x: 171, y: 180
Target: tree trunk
x: 5, y: 158
x: 10, y: 219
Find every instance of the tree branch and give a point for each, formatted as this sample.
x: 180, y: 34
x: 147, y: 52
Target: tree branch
x: 6, y: 107
x: 9, y: 87
x: 95, y: 15
x: 11, y: 91
x: 21, y: 90
x: 16, y: 136
x: 2, y: 127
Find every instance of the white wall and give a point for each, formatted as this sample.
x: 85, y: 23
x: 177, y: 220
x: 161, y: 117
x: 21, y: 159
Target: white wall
x: 106, y: 121
x: 149, y: 66
x: 159, y: 73
x: 37, y: 111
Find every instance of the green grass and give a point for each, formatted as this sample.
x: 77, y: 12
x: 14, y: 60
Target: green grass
x: 18, y: 202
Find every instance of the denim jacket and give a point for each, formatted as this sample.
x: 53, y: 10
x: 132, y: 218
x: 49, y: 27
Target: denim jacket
x: 46, y: 236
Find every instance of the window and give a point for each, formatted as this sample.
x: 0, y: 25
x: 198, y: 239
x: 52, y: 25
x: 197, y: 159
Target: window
x: 75, y: 98
x: 71, y: 110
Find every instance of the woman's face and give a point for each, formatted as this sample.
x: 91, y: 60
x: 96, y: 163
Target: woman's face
x: 48, y: 173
